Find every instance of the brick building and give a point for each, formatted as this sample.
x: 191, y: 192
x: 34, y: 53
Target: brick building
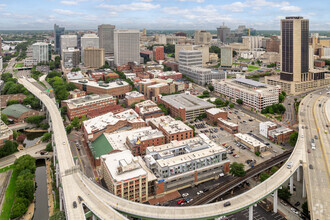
x: 280, y: 135
x: 250, y: 142
x: 165, y: 75
x: 133, y: 97
x: 152, y: 88
x: 228, y: 126
x: 185, y: 106
x: 273, y: 44
x: 76, y: 94
x: 88, y: 104
x: 214, y: 113
x: 117, y: 89
x: 173, y: 65
x: 148, y: 109
x: 18, y: 112
x: 139, y: 142
x: 158, y: 53
x: 111, y: 122
x: 171, y: 128
x: 5, y: 98
x: 319, y: 63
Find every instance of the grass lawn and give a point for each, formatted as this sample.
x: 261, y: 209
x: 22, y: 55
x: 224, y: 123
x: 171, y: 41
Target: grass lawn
x: 19, y: 65
x: 6, y: 168
x: 9, y: 197
x: 278, y: 70
x: 242, y: 59
x: 251, y: 68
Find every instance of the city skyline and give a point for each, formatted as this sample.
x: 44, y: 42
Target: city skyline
x: 158, y: 14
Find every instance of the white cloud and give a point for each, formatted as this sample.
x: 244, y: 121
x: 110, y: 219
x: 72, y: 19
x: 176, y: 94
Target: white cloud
x: 135, y: 6
x: 235, y: 6
x: 146, y: 0
x: 2, y: 5
x: 66, y: 12
x: 69, y: 2
x: 291, y: 8
x: 198, y: 1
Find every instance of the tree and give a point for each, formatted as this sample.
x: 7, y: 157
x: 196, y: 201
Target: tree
x: 237, y: 169
x: 49, y: 147
x: 15, y: 134
x: 211, y: 88
x: 4, y: 118
x: 25, y: 162
x: 264, y: 176
x: 293, y: 138
x: 281, y: 98
x: 25, y: 188
x: 219, y: 102
x: 71, y: 86
x: 215, y: 49
x: 231, y: 105
x: 20, y: 206
x: 59, y: 215
x: 178, y: 118
x: 206, y: 93
x: 234, y: 53
x: 295, y: 99
x: 68, y: 129
x: 6, y: 77
x: 304, y: 207
x: 7, y: 149
x: 12, y: 102
x: 167, y: 68
x: 35, y: 119
x: 239, y: 101
x: 274, y: 169
x: 283, y: 93
x: 46, y: 137
x: 75, y: 122
x: 284, y: 193
x: 169, y: 48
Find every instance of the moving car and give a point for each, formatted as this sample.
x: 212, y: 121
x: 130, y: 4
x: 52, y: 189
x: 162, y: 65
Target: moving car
x: 74, y: 204
x: 289, y: 166
x: 226, y: 204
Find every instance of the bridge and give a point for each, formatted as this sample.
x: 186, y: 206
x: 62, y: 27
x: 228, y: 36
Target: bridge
x: 105, y: 205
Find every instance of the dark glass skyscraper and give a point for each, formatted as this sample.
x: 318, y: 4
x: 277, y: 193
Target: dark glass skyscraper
x: 58, y: 31
x: 294, y: 49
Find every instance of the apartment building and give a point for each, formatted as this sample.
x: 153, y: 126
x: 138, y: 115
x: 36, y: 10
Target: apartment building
x: 124, y: 176
x: 250, y: 142
x: 68, y: 41
x: 89, y: 40
x: 213, y: 114
x: 148, y: 109
x: 111, y: 122
x: 182, y: 164
x: 106, y: 38
x: 226, y: 56
x: 133, y: 97
x: 228, y: 126
x: 71, y: 57
x: 253, y: 94
x: 138, y: 142
x: 6, y: 134
x: 185, y: 106
x: 126, y: 46
x: 88, y: 104
x: 94, y: 57
x: 265, y: 127
x: 117, y: 89
x: 158, y: 53
x: 171, y: 128
x: 40, y: 52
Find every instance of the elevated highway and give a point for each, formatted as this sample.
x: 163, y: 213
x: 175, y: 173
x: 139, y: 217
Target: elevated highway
x: 103, y: 204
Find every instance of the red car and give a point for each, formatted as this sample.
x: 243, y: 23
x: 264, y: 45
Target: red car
x: 180, y: 201
x: 308, y: 150
x: 234, y: 155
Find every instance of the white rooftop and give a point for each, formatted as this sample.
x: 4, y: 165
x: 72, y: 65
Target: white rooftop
x: 268, y: 124
x: 93, y: 83
x: 214, y: 111
x: 228, y: 123
x: 250, y: 140
x: 88, y: 100
x: 123, y: 166
x: 133, y: 94
x: 278, y: 131
x: 169, y: 124
x: 144, y: 135
x: 102, y: 121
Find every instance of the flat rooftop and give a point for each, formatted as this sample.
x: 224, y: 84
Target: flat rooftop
x: 187, y: 101
x: 101, y: 84
x: 5, y: 131
x: 169, y: 124
x: 123, y: 166
x: 250, y: 140
x: 214, y: 111
x: 268, y: 123
x: 137, y: 137
x: 278, y: 131
x: 74, y: 75
x: 133, y: 94
x: 250, y: 83
x: 88, y: 100
x: 228, y: 123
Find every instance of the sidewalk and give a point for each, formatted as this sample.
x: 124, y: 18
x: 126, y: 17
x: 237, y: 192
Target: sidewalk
x: 49, y: 189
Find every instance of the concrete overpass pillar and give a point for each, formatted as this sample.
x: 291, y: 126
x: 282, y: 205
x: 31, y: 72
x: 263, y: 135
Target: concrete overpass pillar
x: 298, y: 174
x: 57, y: 174
x: 303, y: 189
x: 61, y: 198
x: 275, y: 201
x: 251, y: 212
x: 94, y: 217
x: 291, y: 184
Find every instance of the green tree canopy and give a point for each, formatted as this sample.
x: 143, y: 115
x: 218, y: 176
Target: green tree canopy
x: 239, y: 101
x: 237, y: 169
x: 293, y: 138
x: 12, y: 102
x: 35, y: 119
x: 8, y: 148
x: 4, y: 118
x: 25, y: 162
x: 211, y: 88
x: 20, y: 206
x: 46, y: 137
x: 231, y: 105
x: 284, y: 193
x: 264, y: 176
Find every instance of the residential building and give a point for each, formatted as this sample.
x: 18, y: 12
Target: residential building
x: 117, y: 89
x: 171, y: 128
x: 126, y: 46
x: 185, y: 106
x: 124, y: 176
x: 106, y: 38
x: 319, y: 63
x: 18, y: 112
x: 202, y: 37
x: 133, y: 97
x: 185, y: 163
x: 280, y: 135
x: 204, y: 49
x: 94, y: 57
x: 30, y: 62
x: 148, y: 109
x: 164, y: 75
x: 250, y: 142
x: 111, y: 122
x: 223, y: 33
x: 71, y: 57
x: 58, y: 31
x: 226, y: 56
x: 254, y: 94
x: 76, y: 94
x: 87, y: 41
x: 6, y: 134
x: 139, y: 142
x: 213, y: 114
x: 88, y: 104
x: 265, y: 127
x: 40, y: 52
x: 200, y: 75
x: 158, y: 53
x: 68, y: 41
x: 227, y: 126
x: 190, y: 58
x: 252, y: 42
x: 273, y: 44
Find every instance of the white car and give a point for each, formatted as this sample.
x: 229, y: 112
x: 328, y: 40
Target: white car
x: 63, y: 142
x: 185, y: 194
x: 294, y: 211
x: 302, y: 136
x: 199, y: 192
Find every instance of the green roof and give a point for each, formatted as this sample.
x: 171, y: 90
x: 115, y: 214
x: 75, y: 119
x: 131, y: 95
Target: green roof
x: 15, y: 110
x: 100, y: 146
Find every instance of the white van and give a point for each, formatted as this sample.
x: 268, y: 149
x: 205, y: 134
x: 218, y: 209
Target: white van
x: 289, y: 166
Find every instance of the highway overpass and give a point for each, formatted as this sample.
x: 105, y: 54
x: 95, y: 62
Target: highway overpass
x: 104, y: 204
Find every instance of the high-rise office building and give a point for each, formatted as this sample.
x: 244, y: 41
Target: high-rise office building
x: 202, y: 37
x: 88, y: 40
x: 223, y: 33
x: 106, y: 38
x: 126, y: 46
x: 94, y: 57
x: 40, y: 52
x: 68, y: 41
x: 58, y: 31
x: 71, y: 57
x: 273, y: 44
x: 226, y: 56
x: 294, y: 49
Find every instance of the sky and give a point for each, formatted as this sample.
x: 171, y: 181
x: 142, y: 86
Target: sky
x: 159, y: 14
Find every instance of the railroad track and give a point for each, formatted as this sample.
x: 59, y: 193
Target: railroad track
x: 235, y: 181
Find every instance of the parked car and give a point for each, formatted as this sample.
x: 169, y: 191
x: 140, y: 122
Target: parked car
x: 180, y: 201
x: 74, y: 204
x: 199, y: 192
x: 226, y: 204
x: 185, y: 194
x: 297, y: 203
